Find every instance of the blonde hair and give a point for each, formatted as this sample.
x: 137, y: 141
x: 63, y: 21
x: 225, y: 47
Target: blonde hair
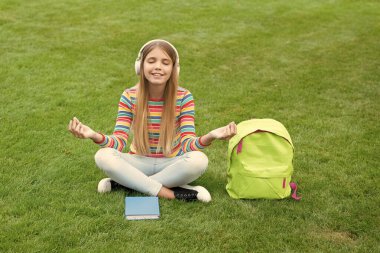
x: 140, y: 122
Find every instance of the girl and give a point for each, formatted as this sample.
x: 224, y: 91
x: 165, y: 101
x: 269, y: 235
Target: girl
x: 164, y: 155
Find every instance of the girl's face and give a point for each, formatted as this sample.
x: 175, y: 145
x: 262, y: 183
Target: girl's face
x: 157, y: 67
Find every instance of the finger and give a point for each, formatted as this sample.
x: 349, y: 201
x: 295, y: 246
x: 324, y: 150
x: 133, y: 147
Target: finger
x: 73, y: 132
x: 72, y: 127
x: 69, y: 126
x: 74, y: 124
x: 229, y: 129
x: 81, y: 131
x: 77, y: 127
x: 234, y: 128
x: 230, y: 126
x: 227, y: 132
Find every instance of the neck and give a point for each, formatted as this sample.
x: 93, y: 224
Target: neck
x: 156, y: 91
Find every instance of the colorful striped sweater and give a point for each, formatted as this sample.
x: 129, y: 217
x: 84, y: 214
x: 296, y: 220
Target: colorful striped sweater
x: 185, y: 139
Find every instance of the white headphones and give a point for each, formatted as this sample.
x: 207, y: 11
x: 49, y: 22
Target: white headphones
x: 139, y: 56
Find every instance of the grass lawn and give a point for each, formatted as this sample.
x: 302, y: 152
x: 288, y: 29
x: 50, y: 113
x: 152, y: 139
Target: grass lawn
x: 312, y: 65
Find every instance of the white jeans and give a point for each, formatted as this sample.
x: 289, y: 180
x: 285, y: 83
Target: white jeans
x: 147, y: 174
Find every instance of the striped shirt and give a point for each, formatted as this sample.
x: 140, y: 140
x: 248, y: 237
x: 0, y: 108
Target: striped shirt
x: 185, y: 139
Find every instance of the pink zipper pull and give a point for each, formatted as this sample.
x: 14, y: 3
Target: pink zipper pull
x: 239, y: 147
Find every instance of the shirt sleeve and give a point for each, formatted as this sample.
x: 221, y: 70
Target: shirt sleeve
x: 118, y: 139
x: 189, y: 141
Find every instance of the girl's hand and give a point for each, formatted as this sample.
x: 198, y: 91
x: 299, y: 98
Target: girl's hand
x: 224, y: 133
x: 79, y: 130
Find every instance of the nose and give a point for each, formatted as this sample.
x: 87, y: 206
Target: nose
x: 157, y: 65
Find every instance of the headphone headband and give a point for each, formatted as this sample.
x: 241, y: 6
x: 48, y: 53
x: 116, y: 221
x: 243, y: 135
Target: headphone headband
x: 139, y: 56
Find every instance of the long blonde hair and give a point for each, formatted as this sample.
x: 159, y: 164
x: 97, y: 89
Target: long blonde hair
x: 140, y: 122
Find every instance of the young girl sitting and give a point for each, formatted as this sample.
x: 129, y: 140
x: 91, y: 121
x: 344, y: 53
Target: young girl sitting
x: 165, y: 154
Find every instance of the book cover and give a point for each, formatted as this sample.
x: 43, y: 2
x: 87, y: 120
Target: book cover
x: 141, y: 208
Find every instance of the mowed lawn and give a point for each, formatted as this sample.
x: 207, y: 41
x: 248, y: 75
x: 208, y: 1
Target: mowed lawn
x: 312, y: 65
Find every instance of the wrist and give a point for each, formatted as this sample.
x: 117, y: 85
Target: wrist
x: 97, y: 137
x: 207, y: 139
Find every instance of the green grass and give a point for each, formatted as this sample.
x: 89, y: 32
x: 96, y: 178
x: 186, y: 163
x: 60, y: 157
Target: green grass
x: 312, y: 65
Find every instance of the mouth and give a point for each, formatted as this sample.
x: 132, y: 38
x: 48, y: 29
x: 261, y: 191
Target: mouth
x: 157, y: 75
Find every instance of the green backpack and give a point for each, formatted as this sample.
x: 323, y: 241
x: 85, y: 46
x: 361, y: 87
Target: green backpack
x: 260, y: 161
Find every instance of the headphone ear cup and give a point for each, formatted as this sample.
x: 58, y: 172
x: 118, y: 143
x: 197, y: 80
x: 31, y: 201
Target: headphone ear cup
x: 137, y: 67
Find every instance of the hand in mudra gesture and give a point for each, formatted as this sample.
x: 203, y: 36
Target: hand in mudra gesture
x: 80, y: 130
x: 224, y: 133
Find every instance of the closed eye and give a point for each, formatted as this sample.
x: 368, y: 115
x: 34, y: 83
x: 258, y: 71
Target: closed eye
x: 151, y: 60
x: 166, y: 62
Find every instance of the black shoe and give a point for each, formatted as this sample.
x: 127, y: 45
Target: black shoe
x: 184, y: 194
x: 203, y: 194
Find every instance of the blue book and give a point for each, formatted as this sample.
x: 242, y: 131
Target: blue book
x: 141, y: 208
